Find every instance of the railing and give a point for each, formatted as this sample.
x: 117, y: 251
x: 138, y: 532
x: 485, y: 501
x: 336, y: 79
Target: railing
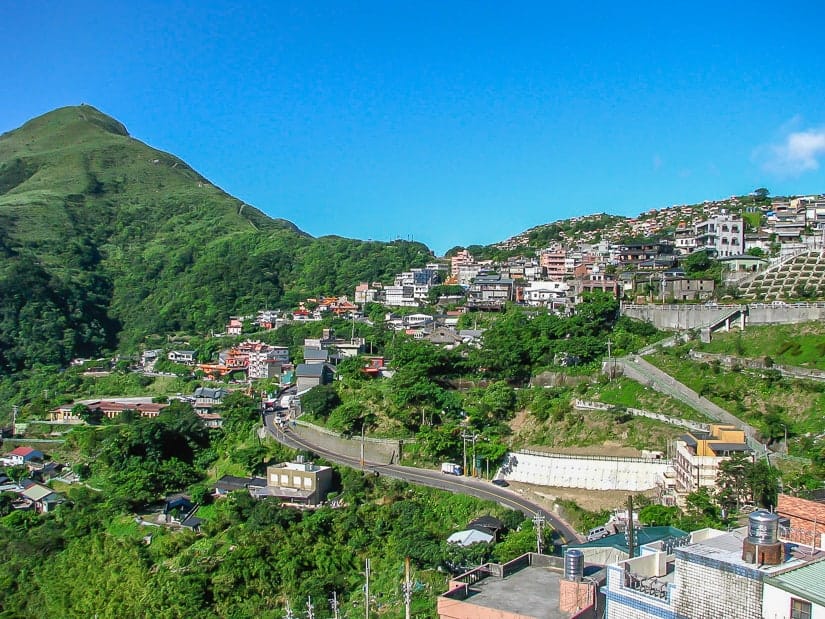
x: 546, y: 454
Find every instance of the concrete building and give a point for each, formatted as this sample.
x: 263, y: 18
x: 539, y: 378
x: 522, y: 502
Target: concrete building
x: 460, y: 259
x: 721, y: 236
x: 533, y: 586
x: 184, y: 357
x: 546, y: 293
x: 493, y: 290
x: 311, y: 375
x: 698, y: 455
x: 296, y: 482
x: 711, y: 574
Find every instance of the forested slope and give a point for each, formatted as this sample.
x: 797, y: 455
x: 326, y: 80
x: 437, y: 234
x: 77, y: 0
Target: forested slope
x: 104, y: 239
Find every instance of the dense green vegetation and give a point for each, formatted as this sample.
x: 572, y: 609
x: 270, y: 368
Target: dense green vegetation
x: 251, y: 556
x: 777, y: 406
x: 104, y: 240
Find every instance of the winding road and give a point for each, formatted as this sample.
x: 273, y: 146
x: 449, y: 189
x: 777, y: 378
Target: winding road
x: 434, y: 479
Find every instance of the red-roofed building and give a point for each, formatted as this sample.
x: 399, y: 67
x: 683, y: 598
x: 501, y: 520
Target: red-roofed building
x: 22, y: 455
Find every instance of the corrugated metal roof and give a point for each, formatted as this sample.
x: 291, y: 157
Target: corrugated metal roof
x: 808, y: 582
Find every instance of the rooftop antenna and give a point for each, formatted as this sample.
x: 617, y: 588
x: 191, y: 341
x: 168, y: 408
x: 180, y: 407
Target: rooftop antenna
x: 288, y: 610
x: 310, y: 608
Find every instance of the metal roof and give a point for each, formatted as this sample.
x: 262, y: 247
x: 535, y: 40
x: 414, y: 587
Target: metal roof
x: 644, y: 535
x: 806, y: 582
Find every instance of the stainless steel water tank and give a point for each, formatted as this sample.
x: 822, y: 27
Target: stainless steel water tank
x: 573, y: 565
x: 763, y: 527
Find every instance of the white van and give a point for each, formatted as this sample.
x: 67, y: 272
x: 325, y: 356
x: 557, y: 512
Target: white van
x: 597, y: 533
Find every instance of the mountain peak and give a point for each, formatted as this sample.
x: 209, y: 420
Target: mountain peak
x: 72, y: 121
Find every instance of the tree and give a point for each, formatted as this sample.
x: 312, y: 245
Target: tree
x: 698, y: 262
x: 320, y: 401
x: 91, y: 416
x: 761, y: 193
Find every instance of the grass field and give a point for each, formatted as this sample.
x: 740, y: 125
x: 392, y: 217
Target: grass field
x: 801, y: 345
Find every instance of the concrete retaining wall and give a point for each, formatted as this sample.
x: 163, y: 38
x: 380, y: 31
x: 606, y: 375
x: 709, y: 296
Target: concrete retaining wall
x: 385, y: 451
x: 682, y: 317
x: 588, y: 472
x: 637, y: 412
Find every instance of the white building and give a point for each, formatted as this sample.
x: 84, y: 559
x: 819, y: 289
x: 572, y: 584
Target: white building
x: 721, y: 236
x: 543, y: 293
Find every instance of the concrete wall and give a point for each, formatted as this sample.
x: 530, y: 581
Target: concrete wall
x: 776, y: 604
x: 384, y: 451
x: 589, y: 472
x: 638, y: 412
x: 706, y: 587
x: 681, y: 317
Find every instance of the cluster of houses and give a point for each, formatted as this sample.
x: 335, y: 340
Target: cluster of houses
x: 559, y: 275
x: 31, y: 493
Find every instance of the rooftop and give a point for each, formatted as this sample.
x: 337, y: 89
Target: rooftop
x: 531, y: 592
x: 644, y: 535
x: 727, y: 548
x: 805, y: 581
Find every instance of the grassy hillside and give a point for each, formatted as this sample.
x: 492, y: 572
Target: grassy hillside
x: 104, y: 239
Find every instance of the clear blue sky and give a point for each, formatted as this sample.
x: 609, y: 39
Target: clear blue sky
x: 452, y: 123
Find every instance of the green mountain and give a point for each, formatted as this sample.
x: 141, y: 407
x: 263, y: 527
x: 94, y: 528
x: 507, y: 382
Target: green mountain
x: 104, y: 240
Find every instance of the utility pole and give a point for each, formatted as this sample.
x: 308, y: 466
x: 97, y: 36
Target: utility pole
x: 363, y: 424
x: 631, y: 537
x: 407, y: 589
x: 538, y: 521
x: 333, y: 604
x: 367, y: 592
x: 464, y: 470
x: 467, y: 436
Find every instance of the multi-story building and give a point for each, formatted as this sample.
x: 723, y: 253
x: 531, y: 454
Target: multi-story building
x: 698, y: 455
x: 491, y: 290
x: 296, y: 482
x: 685, y: 239
x: 717, y: 574
x: 721, y: 236
x: 460, y: 259
x: 546, y: 293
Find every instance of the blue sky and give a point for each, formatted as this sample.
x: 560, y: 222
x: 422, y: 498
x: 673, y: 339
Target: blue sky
x: 451, y: 123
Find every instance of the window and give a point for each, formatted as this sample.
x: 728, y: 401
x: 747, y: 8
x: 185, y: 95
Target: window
x: 800, y: 609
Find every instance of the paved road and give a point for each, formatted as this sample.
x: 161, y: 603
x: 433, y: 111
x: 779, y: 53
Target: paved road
x: 434, y: 479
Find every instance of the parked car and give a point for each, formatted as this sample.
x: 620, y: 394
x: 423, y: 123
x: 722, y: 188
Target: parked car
x: 502, y: 483
x: 597, y: 533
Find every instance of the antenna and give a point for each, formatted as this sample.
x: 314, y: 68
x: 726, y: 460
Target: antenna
x: 288, y: 610
x: 310, y: 608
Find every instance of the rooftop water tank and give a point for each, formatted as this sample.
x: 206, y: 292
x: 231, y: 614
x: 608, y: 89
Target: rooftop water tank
x: 573, y: 565
x: 763, y: 527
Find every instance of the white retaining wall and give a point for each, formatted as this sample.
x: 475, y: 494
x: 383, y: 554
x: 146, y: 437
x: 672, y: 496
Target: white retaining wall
x: 588, y: 472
